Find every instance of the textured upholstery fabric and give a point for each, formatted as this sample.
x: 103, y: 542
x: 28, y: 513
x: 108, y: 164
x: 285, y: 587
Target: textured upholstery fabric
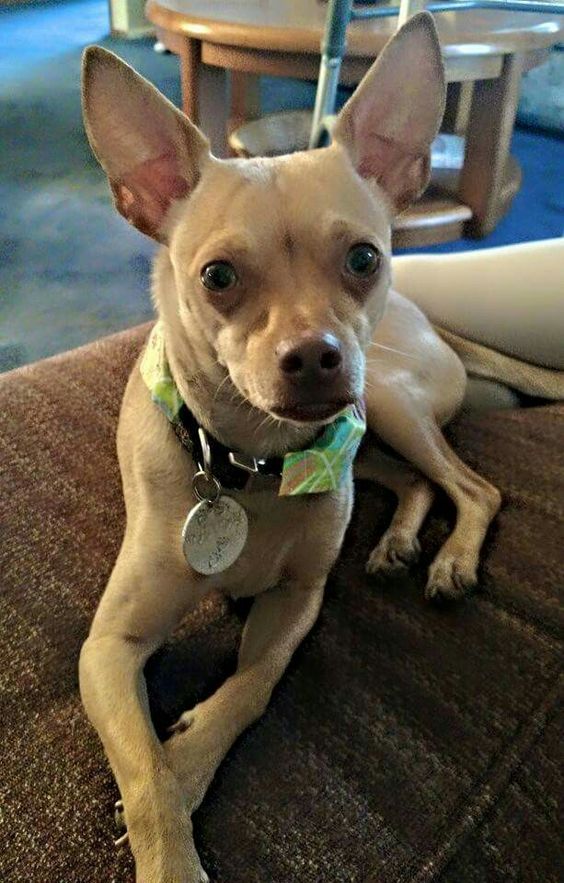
x: 405, y: 743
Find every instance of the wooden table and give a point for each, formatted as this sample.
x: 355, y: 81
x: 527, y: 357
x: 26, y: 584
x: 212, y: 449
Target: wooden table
x: 485, y: 55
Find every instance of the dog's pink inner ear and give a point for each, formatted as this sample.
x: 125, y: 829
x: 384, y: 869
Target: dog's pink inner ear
x: 388, y: 125
x: 143, y: 195
x: 399, y: 172
x: 151, y: 153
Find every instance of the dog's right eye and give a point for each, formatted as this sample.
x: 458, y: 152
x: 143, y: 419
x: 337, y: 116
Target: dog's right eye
x: 219, y: 276
x: 363, y: 260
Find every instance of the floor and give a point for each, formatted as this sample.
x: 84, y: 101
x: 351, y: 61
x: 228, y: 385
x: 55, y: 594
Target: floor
x: 70, y: 269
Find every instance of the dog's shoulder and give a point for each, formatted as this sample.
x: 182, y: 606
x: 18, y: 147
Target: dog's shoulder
x: 148, y: 450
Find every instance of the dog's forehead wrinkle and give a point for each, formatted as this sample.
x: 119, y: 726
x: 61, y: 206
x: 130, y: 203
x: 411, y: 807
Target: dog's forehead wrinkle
x: 288, y: 242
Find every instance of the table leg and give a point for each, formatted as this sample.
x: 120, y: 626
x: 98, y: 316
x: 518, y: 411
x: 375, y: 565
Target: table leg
x: 190, y: 64
x: 203, y: 91
x: 459, y: 98
x: 488, y: 136
x: 245, y: 99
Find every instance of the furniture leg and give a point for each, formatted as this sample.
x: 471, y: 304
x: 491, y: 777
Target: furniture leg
x: 203, y: 93
x: 190, y: 78
x: 245, y: 99
x: 488, y: 136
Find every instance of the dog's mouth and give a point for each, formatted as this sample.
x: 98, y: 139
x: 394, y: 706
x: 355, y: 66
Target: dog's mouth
x: 313, y: 412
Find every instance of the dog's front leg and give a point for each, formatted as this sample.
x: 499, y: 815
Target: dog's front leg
x: 277, y: 623
x: 144, y: 599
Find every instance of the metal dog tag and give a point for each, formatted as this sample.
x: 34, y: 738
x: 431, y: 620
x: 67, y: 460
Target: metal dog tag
x: 214, y: 534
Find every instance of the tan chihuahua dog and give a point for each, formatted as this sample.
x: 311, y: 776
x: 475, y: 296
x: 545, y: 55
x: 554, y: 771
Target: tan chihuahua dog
x: 273, y: 291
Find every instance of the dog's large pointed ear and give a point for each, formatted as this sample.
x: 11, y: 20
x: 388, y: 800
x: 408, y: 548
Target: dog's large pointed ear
x: 151, y: 153
x: 388, y: 124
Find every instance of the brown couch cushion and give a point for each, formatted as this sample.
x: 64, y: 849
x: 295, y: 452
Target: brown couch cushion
x: 405, y: 743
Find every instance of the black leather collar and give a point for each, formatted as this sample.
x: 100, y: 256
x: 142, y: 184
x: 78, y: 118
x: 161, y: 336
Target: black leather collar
x: 231, y: 469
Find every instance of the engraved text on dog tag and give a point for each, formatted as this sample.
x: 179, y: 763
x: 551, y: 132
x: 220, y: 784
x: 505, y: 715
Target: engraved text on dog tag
x: 214, y: 534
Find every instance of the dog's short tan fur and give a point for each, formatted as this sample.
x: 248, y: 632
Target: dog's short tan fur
x: 286, y: 225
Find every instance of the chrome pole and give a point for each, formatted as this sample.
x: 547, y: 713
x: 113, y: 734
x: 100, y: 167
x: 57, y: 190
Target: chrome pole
x: 332, y: 51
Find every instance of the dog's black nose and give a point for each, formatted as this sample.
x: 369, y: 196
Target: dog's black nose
x: 310, y: 357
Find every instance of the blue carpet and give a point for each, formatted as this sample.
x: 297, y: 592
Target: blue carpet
x: 70, y: 269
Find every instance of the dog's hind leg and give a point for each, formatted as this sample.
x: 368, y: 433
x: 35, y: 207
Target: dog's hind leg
x: 404, y: 421
x: 277, y: 623
x: 398, y: 547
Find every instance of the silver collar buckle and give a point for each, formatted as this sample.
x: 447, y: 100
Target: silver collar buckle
x: 248, y: 464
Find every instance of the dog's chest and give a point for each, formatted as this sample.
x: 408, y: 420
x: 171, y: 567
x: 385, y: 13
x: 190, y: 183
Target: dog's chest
x: 289, y: 537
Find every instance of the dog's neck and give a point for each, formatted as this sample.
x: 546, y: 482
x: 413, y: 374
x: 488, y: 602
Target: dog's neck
x: 206, y: 386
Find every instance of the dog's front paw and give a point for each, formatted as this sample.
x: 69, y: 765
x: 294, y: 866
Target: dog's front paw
x: 181, y: 864
x: 172, y: 875
x: 395, y: 552
x: 159, y: 832
x: 451, y: 578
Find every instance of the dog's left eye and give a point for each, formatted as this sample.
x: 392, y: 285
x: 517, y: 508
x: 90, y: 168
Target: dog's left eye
x: 363, y: 260
x: 219, y: 276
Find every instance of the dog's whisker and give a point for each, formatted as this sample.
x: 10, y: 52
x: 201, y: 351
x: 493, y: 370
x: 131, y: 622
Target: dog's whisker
x: 268, y: 419
x: 218, y: 390
x: 392, y: 349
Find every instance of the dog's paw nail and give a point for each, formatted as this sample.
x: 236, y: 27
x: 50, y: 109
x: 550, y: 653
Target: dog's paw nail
x: 393, y: 554
x: 183, y: 723
x: 119, y: 816
x: 178, y: 727
x: 450, y: 580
